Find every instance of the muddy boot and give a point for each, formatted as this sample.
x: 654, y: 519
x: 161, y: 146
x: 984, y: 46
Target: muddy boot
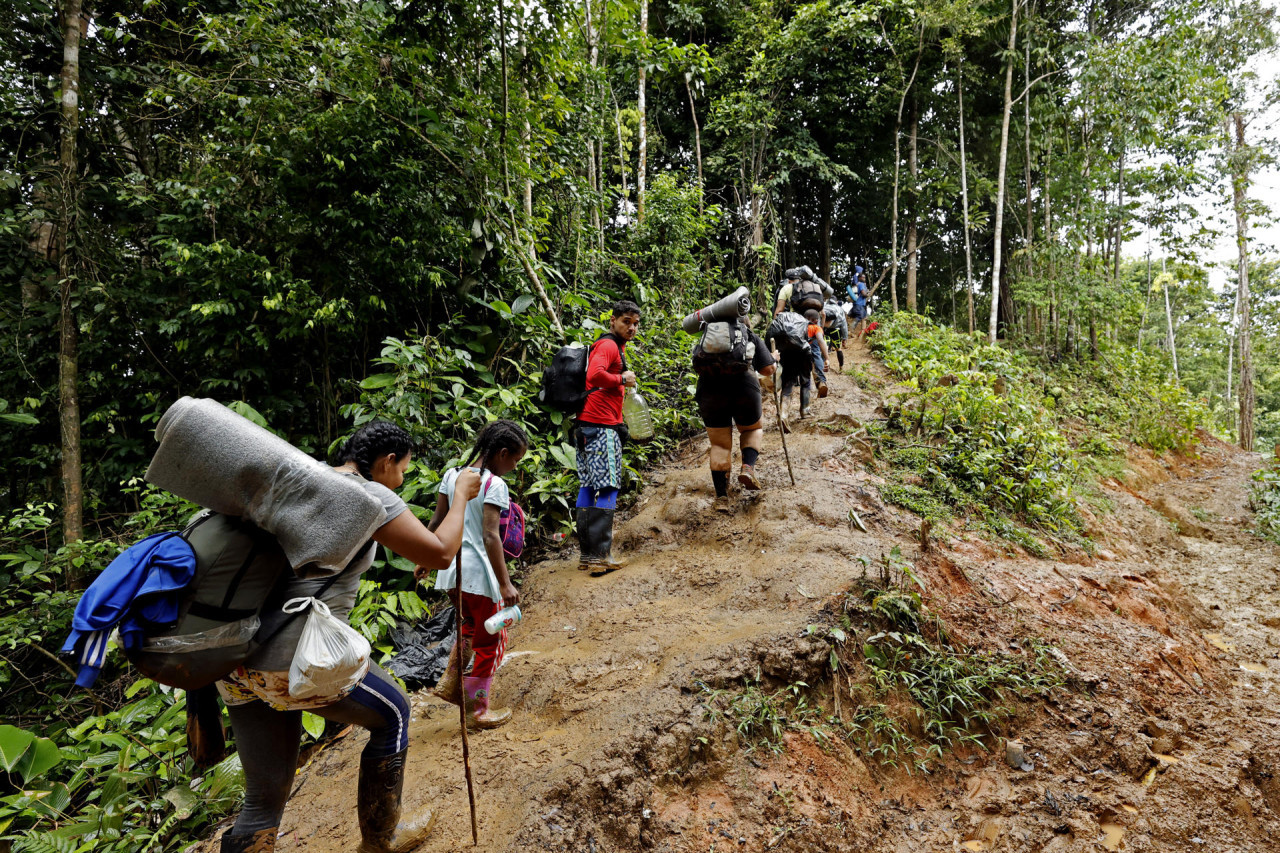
x: 262, y: 841
x: 822, y: 388
x: 804, y: 402
x: 479, y: 716
x: 378, y: 807
x: 585, y: 544
x: 599, y: 540
x: 449, y: 688
x: 748, y: 479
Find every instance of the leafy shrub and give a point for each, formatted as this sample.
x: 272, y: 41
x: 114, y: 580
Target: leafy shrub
x: 995, y: 445
x: 1264, y: 500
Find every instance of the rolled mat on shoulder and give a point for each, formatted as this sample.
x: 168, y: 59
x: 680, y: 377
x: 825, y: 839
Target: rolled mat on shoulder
x: 212, y: 456
x: 736, y: 304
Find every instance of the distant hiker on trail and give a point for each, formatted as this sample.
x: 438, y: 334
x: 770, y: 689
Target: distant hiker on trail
x: 858, y: 292
x: 835, y: 328
x: 803, y: 290
x: 267, y: 721
x: 730, y: 360
x: 789, y: 335
x: 599, y: 432
x: 818, y: 347
x: 486, y: 586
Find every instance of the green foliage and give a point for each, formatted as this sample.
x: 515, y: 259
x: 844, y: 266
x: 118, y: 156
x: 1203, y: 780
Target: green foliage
x: 117, y: 782
x: 949, y: 694
x: 989, y: 442
x: 761, y: 717
x: 1264, y: 500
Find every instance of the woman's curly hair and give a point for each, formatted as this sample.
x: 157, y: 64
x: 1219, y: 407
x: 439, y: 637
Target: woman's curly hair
x: 373, y: 441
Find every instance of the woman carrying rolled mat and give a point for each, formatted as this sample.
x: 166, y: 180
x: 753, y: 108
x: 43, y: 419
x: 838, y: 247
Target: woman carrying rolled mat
x: 267, y: 721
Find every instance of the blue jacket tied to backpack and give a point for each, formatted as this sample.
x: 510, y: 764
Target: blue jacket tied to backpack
x: 137, y: 592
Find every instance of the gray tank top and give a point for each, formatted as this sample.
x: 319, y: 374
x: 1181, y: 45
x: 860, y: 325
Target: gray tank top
x: 277, y: 653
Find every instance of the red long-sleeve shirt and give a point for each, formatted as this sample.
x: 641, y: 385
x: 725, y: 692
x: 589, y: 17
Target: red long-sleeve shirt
x: 604, y: 371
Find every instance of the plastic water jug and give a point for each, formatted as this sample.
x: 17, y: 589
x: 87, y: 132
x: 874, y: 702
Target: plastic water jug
x: 636, y: 414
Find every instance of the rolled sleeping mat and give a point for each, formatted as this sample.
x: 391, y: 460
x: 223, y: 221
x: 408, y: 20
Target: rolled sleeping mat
x: 213, y: 457
x: 733, y: 306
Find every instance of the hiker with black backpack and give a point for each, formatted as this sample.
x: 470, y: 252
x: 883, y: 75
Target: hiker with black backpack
x: 730, y: 360
x: 485, y: 586
x: 803, y: 290
x: 267, y: 719
x: 599, y: 432
x: 835, y: 328
x: 789, y: 335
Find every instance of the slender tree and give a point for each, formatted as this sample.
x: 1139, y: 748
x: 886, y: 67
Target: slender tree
x: 1000, y: 175
x: 68, y: 324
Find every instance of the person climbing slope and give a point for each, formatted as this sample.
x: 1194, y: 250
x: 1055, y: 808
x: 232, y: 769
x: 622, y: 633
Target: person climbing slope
x: 835, y: 328
x: 818, y: 347
x: 599, y: 432
x: 788, y: 335
x: 728, y: 393
x: 486, y: 586
x: 267, y: 721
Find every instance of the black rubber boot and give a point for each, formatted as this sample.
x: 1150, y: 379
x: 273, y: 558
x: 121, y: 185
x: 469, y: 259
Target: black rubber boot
x: 586, y: 546
x: 378, y: 808
x: 262, y: 841
x: 596, y: 556
x: 804, y: 401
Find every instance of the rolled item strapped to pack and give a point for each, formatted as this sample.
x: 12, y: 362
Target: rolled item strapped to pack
x: 733, y: 306
x: 222, y: 461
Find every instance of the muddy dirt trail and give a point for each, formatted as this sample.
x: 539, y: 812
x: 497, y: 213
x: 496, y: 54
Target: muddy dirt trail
x: 1167, y: 739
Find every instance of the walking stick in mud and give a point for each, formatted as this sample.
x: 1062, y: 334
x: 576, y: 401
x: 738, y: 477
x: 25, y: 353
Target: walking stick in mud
x: 782, y: 429
x: 462, y: 706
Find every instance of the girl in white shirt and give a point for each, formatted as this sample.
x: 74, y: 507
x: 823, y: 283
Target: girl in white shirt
x: 486, y: 587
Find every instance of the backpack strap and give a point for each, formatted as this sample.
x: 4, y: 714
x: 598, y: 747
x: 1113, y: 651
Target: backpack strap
x: 317, y: 594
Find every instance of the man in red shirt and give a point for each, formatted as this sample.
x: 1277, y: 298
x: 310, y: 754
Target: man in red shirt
x: 600, y: 443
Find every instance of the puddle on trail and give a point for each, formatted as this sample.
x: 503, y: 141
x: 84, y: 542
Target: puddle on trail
x: 1220, y: 642
x: 1254, y: 667
x: 1112, y: 835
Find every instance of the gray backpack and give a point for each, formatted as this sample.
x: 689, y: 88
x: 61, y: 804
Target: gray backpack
x: 790, y: 331
x: 725, y: 349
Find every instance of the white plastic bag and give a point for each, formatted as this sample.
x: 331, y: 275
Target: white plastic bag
x: 331, y: 655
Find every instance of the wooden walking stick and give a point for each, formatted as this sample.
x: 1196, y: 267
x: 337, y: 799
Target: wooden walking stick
x: 782, y: 428
x: 462, y: 706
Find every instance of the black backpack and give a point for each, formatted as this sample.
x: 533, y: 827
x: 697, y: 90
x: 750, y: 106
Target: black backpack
x: 564, y: 381
x: 806, y: 294
x: 725, y: 349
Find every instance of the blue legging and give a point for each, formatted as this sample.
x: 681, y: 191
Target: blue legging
x: 267, y: 741
x: 599, y: 498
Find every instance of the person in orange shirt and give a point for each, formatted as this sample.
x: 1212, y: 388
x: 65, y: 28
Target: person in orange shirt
x: 818, y: 346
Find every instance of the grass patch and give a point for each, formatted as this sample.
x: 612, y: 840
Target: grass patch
x: 902, y: 690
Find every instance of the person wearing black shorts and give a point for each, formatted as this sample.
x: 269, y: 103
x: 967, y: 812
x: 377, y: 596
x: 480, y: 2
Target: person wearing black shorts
x: 728, y: 399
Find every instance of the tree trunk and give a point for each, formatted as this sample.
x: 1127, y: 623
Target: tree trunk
x: 913, y: 234
x: 643, y: 140
x: 897, y: 169
x: 68, y: 337
x: 697, y: 142
x: 964, y: 199
x: 593, y: 179
x: 1119, y: 238
x: 1026, y: 136
x: 1239, y: 192
x: 1169, y: 339
x: 993, y: 321
x: 824, y: 264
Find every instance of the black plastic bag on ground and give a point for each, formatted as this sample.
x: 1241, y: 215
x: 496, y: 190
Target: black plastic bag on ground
x: 422, y: 650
